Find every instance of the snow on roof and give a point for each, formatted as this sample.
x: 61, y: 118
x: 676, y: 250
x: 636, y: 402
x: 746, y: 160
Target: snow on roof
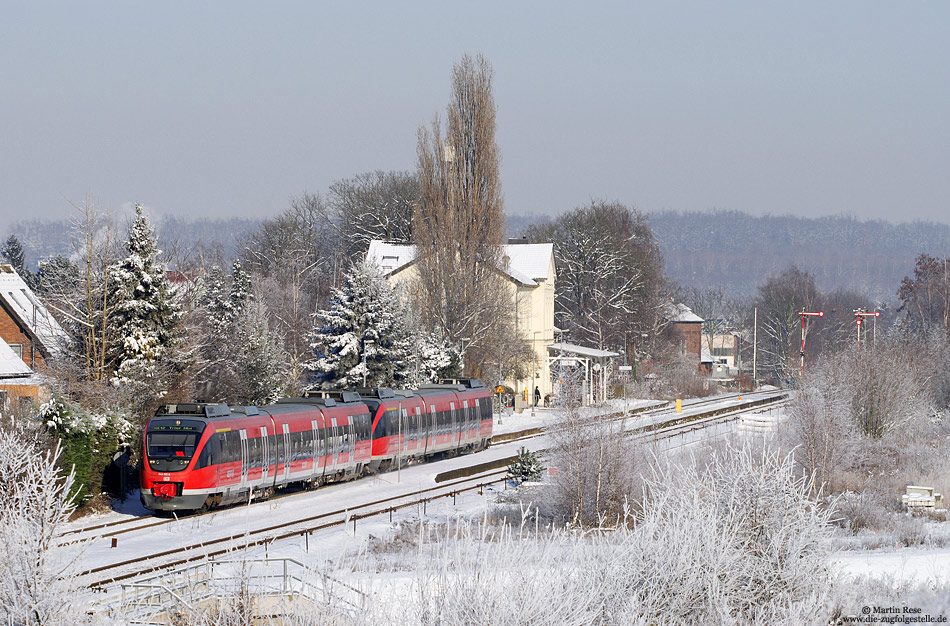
x: 681, y: 313
x: 573, y: 348
x: 527, y: 262
x: 11, y: 366
x: 531, y: 259
x: 28, y: 310
x: 390, y: 256
x: 705, y: 357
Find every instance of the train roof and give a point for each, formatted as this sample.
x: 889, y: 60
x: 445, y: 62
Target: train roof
x: 201, y: 409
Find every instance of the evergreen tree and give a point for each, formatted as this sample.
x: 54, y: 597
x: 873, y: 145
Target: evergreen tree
x: 213, y: 301
x: 363, y: 333
x: 13, y: 254
x: 261, y: 371
x: 435, y: 358
x: 57, y: 277
x: 224, y: 303
x: 240, y: 290
x: 145, y: 315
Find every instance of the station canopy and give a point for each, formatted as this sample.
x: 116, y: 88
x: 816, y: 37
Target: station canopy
x: 573, y: 348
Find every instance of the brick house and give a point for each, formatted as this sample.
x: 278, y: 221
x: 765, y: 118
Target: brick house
x: 25, y: 324
x: 687, y: 328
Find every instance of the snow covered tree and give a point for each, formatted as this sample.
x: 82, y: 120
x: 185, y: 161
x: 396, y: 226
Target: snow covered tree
x: 610, y: 282
x: 362, y: 335
x: 36, y: 575
x: 434, y: 358
x: 226, y: 337
x: 145, y: 315
x: 12, y: 253
x: 526, y: 467
x: 373, y: 205
x: 262, y: 374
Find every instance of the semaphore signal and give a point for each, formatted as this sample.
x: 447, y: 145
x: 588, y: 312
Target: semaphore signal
x: 803, y: 315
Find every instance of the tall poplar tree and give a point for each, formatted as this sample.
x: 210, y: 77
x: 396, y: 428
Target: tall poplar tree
x: 459, y: 221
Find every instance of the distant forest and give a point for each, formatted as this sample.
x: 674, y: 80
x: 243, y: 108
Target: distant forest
x: 739, y: 251
x: 728, y: 248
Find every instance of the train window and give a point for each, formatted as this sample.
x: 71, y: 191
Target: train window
x: 254, y: 452
x: 171, y: 443
x: 364, y: 422
x: 306, y: 444
x: 207, y: 457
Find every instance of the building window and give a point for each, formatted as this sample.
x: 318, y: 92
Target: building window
x: 722, y: 352
x: 17, y: 349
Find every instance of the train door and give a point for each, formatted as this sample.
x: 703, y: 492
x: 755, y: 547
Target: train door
x: 265, y: 456
x: 453, y: 424
x: 466, y: 422
x: 318, y: 448
x: 288, y: 453
x: 244, y: 463
x: 333, y: 445
x: 416, y: 427
x: 431, y: 430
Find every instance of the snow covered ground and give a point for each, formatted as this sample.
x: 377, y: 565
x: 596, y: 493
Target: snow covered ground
x: 900, y: 565
x: 905, y: 564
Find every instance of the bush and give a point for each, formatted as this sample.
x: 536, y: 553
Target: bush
x: 89, y: 439
x: 527, y: 467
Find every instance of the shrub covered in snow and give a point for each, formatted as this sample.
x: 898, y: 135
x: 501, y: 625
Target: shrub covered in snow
x: 526, y: 467
x: 36, y: 584
x: 89, y: 439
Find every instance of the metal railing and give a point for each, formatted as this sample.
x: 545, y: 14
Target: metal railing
x: 156, y: 599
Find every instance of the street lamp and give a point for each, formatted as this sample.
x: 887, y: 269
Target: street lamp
x: 366, y: 346
x: 803, y: 315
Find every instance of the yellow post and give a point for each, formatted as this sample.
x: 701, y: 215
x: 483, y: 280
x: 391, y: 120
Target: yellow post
x: 679, y: 405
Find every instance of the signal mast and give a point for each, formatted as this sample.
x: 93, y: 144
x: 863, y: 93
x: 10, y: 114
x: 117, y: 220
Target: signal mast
x: 860, y: 313
x: 803, y: 315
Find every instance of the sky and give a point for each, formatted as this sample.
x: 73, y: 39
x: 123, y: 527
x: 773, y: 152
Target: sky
x: 224, y: 109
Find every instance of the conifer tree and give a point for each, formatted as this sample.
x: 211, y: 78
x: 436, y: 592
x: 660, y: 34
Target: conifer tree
x: 227, y: 339
x: 145, y: 314
x: 13, y: 254
x: 363, y: 332
x: 262, y: 373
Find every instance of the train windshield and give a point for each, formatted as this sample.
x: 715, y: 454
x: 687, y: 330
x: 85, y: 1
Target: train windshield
x: 170, y: 443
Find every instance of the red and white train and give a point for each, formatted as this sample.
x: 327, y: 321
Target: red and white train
x: 199, y: 456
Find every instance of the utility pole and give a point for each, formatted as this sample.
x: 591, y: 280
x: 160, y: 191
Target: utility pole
x: 755, y: 347
x: 803, y: 315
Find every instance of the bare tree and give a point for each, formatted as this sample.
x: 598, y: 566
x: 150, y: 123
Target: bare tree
x: 780, y: 300
x: 610, y: 285
x: 925, y: 298
x: 373, y: 205
x: 295, y: 257
x: 36, y: 575
x: 459, y: 220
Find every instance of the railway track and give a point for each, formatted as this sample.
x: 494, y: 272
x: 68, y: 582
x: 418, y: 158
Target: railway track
x: 103, y: 576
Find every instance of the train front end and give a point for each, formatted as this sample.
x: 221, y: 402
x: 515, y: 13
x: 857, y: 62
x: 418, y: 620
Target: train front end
x: 171, y: 449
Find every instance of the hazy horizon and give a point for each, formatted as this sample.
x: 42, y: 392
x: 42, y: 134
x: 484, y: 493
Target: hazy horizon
x: 222, y: 110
